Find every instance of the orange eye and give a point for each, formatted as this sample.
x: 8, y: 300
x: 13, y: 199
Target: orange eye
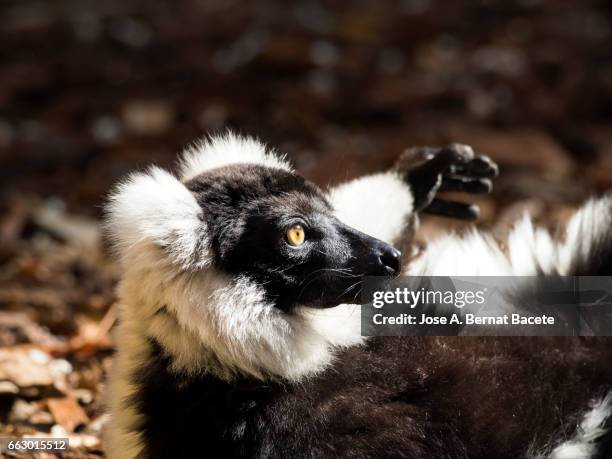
x: 296, y: 235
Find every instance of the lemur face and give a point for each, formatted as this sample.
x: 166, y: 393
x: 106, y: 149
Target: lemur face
x: 278, y: 229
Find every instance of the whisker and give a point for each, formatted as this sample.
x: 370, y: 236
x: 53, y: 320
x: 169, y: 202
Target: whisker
x: 349, y: 289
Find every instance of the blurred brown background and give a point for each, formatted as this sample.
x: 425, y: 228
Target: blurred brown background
x: 91, y: 90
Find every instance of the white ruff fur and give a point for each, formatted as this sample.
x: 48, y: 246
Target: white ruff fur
x: 152, y: 210
x: 228, y: 149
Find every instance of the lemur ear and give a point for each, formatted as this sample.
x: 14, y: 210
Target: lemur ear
x: 230, y: 148
x: 154, y: 210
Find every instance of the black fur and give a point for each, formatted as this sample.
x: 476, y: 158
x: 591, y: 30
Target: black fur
x: 412, y: 398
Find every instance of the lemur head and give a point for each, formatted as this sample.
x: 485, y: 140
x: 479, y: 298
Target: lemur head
x: 274, y: 227
x: 236, y: 252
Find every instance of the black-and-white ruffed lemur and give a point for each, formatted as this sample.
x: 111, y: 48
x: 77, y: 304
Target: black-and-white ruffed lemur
x: 239, y: 336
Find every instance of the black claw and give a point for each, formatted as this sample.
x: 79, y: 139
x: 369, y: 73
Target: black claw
x: 480, y: 166
x: 464, y: 152
x: 453, y: 209
x: 444, y: 160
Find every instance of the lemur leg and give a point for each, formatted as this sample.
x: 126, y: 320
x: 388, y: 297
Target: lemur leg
x: 385, y: 205
x: 455, y: 167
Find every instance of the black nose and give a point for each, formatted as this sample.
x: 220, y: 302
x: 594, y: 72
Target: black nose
x: 391, y: 260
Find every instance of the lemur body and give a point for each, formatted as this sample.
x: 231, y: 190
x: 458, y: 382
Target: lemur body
x: 235, y: 342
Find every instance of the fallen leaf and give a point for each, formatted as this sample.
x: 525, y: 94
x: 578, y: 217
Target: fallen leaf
x: 25, y: 367
x: 67, y: 413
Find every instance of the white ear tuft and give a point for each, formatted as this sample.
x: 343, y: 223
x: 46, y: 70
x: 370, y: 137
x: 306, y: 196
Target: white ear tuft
x: 213, y: 152
x: 154, y: 208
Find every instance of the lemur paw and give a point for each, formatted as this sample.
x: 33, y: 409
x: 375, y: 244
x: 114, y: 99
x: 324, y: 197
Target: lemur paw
x: 430, y: 170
